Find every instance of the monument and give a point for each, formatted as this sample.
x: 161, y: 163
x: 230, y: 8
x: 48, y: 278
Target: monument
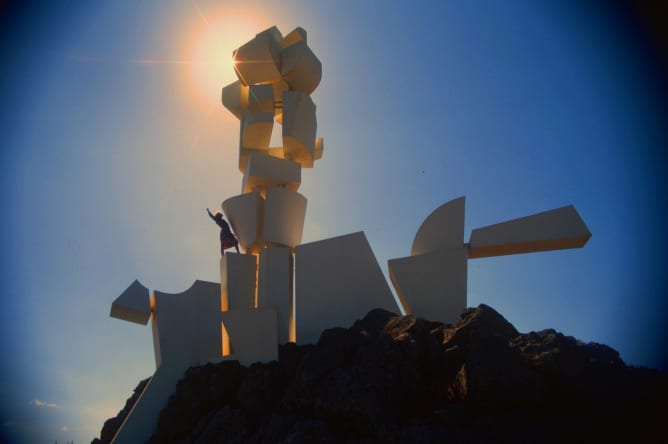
x: 256, y: 306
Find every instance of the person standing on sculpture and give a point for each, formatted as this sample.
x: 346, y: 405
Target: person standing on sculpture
x: 227, y: 239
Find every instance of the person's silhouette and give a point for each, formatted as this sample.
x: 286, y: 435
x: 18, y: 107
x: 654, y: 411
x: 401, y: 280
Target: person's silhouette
x: 227, y: 239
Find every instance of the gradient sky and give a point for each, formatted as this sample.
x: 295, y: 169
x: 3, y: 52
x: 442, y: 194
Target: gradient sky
x: 113, y: 143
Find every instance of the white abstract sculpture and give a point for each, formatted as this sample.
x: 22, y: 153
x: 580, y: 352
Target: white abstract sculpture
x: 431, y: 283
x: 338, y: 280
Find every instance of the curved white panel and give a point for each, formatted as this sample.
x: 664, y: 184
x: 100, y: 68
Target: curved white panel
x: 443, y: 228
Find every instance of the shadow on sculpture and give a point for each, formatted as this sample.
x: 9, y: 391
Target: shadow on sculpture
x: 281, y: 290
x: 227, y: 239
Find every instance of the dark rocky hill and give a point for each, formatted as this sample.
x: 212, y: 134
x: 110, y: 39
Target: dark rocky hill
x: 398, y: 379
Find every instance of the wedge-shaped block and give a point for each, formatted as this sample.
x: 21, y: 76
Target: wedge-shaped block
x: 256, y: 130
x: 132, y: 305
x: 186, y: 326
x: 301, y: 68
x: 443, y: 228
x: 237, y: 281
x: 261, y: 98
x: 252, y: 335
x: 337, y: 281
x: 235, y: 98
x: 258, y: 61
x: 264, y: 171
x: 245, y: 214
x: 432, y: 286
x: 284, y: 213
x: 296, y: 35
x: 142, y: 421
x: 556, y: 229
x: 299, y: 127
x: 275, y: 287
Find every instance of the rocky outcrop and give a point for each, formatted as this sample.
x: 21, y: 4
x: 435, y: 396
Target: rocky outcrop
x: 395, y: 379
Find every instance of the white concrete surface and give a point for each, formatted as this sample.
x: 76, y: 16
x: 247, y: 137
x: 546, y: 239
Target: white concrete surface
x: 132, y: 305
x: 337, y: 281
x: 299, y: 127
x: 245, y: 215
x: 253, y: 335
x: 551, y: 230
x: 433, y: 285
x: 237, y: 281
x: 284, y: 213
x: 258, y: 60
x: 443, y: 228
x: 275, y: 287
x: 264, y: 171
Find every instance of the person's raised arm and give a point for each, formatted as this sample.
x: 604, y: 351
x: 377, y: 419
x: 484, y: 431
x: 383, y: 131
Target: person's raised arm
x: 211, y: 215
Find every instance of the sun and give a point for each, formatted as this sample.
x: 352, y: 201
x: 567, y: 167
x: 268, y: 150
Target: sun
x: 209, y: 50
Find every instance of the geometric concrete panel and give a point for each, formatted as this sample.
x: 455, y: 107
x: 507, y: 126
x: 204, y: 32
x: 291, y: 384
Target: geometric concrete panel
x: 237, y: 281
x: 252, y: 335
x: 299, y: 127
x: 142, y: 421
x: 132, y: 305
x: 258, y: 60
x: 264, y: 171
x: 261, y: 99
x: 256, y: 130
x: 442, y: 229
x: 187, y: 326
x: 301, y: 68
x: 275, y: 287
x: 337, y: 281
x: 551, y: 230
x: 296, y: 35
x: 245, y: 215
x: 433, y: 285
x: 284, y: 213
x: 235, y: 98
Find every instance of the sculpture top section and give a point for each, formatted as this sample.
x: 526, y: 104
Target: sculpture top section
x: 276, y: 77
x: 270, y: 58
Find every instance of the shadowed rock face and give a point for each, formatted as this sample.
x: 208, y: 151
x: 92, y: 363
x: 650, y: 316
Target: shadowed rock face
x: 395, y: 379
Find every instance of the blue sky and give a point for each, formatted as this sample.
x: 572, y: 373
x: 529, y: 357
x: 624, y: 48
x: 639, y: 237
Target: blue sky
x: 114, y: 142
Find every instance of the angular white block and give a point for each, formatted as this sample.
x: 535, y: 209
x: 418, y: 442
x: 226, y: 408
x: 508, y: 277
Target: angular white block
x: 284, y: 213
x: 433, y: 285
x: 258, y: 61
x: 442, y: 229
x: 299, y: 128
x: 142, y: 421
x: 337, y: 281
x: 261, y: 99
x: 275, y: 287
x: 132, y: 305
x: 252, y: 335
x: 237, y: 281
x: 301, y: 68
x: 245, y: 213
x: 235, y: 98
x: 556, y: 229
x: 296, y: 35
x: 256, y: 130
x: 187, y: 326
x: 264, y: 171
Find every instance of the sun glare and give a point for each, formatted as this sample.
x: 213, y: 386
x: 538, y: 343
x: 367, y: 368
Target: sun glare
x: 210, y: 49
